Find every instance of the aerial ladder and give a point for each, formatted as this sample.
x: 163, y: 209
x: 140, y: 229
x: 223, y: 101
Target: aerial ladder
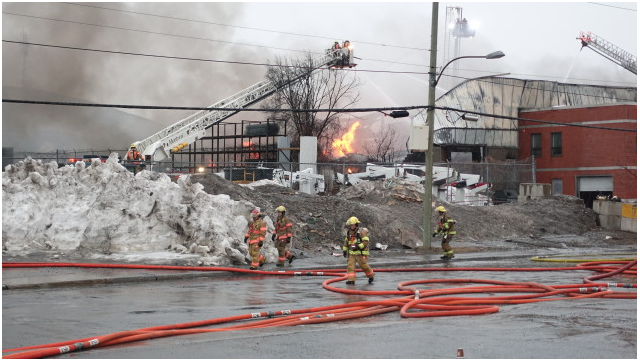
x: 609, y: 51
x: 174, y: 138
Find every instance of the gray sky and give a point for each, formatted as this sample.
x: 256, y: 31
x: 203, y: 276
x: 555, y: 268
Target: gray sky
x: 539, y: 40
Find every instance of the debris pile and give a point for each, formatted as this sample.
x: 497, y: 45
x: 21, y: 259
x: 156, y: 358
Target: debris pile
x: 102, y: 211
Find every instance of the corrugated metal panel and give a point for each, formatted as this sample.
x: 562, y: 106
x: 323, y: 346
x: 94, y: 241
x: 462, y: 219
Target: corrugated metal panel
x: 506, y: 96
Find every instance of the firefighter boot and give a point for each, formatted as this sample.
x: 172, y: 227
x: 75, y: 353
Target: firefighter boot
x: 279, y: 264
x: 351, y: 282
x: 291, y: 258
x: 370, y: 280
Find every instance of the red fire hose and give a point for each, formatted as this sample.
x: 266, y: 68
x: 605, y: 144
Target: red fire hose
x: 411, y: 302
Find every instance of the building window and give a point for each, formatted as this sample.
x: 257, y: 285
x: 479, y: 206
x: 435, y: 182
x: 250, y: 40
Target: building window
x: 556, y: 144
x: 536, y: 145
x: 556, y: 186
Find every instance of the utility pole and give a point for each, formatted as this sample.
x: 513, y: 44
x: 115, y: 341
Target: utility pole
x: 428, y: 154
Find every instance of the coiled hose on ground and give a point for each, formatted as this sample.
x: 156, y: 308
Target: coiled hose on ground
x: 411, y: 302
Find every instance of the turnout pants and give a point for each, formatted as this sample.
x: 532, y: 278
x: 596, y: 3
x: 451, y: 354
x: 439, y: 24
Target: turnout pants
x: 256, y: 257
x: 283, y: 251
x: 362, y: 262
x: 446, y: 247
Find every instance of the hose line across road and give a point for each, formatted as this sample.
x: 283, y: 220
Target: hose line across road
x: 425, y: 298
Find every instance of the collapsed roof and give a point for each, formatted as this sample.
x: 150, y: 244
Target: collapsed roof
x: 507, y: 97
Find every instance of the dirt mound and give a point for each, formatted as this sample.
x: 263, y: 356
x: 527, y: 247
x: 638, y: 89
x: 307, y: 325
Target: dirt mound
x: 392, y: 210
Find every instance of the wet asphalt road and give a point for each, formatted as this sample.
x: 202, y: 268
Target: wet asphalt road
x: 574, y: 329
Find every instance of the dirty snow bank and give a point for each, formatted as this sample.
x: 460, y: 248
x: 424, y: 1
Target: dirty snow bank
x: 104, y: 211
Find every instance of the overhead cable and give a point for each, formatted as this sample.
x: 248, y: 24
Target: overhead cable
x: 334, y: 110
x: 247, y: 44
x: 274, y: 65
x: 245, y: 27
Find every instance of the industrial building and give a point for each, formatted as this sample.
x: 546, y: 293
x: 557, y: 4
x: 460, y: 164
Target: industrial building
x: 480, y: 116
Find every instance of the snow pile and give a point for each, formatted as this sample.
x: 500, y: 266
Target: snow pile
x: 262, y: 182
x: 104, y: 211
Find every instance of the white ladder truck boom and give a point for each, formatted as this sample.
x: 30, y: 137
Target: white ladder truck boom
x: 186, y: 131
x: 609, y: 51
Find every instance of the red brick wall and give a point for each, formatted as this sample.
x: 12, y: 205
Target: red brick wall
x: 585, y: 147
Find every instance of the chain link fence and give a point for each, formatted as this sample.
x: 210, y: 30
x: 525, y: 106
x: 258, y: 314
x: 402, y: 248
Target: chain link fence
x: 504, y: 177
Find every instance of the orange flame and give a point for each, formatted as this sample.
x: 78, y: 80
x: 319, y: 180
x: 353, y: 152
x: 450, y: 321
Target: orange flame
x: 249, y: 144
x: 343, y: 146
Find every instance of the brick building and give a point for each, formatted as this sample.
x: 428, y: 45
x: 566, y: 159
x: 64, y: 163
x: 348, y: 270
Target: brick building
x: 577, y: 161
x: 581, y: 161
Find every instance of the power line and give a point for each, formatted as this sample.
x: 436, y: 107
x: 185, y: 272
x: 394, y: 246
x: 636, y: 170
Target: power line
x: 258, y: 64
x: 191, y: 59
x: 243, y: 27
x: 354, y: 110
x: 172, y: 35
x: 613, y: 6
x: 237, y: 43
x: 147, y: 31
x: 141, y: 54
x: 289, y: 66
x: 536, y: 120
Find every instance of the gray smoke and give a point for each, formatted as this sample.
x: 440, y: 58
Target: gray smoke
x: 41, y: 73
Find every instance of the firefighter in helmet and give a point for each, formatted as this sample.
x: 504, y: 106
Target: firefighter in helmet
x: 446, y: 226
x: 255, y: 237
x: 346, y: 49
x: 134, y: 157
x: 356, y: 250
x: 282, y: 237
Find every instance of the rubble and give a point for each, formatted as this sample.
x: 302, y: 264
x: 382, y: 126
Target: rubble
x: 393, y: 212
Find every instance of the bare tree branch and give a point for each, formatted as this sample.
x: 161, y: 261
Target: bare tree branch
x: 319, y: 89
x: 383, y: 148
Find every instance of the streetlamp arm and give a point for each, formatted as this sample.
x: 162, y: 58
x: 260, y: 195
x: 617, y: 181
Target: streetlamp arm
x: 451, y: 61
x: 495, y: 55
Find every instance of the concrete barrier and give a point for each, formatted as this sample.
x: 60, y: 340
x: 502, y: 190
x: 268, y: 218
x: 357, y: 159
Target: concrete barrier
x: 534, y: 191
x: 629, y: 220
x: 616, y: 216
x: 607, y: 208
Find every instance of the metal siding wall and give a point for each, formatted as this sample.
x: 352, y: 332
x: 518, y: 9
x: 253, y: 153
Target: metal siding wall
x: 506, y: 96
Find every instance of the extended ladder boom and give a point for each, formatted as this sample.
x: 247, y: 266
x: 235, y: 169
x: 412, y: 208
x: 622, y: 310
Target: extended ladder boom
x: 192, y: 128
x: 609, y: 51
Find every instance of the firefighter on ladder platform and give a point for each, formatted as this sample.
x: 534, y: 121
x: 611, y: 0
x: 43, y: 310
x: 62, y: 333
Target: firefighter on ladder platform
x: 134, y: 157
x: 282, y: 237
x: 356, y: 250
x: 346, y: 52
x: 446, y: 227
x: 255, y: 237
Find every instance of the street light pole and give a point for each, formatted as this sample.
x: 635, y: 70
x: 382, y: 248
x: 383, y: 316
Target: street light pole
x: 428, y: 154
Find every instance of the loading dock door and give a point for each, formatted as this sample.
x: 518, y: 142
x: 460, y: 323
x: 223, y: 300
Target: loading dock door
x: 591, y: 187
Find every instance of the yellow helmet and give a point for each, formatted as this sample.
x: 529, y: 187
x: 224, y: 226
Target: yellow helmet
x: 441, y: 209
x: 352, y: 220
x: 281, y: 209
x: 133, y: 145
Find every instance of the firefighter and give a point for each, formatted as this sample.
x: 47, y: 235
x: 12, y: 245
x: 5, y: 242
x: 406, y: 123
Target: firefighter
x: 282, y: 237
x: 255, y: 237
x: 345, y: 53
x: 356, y: 249
x: 134, y: 157
x: 446, y: 226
